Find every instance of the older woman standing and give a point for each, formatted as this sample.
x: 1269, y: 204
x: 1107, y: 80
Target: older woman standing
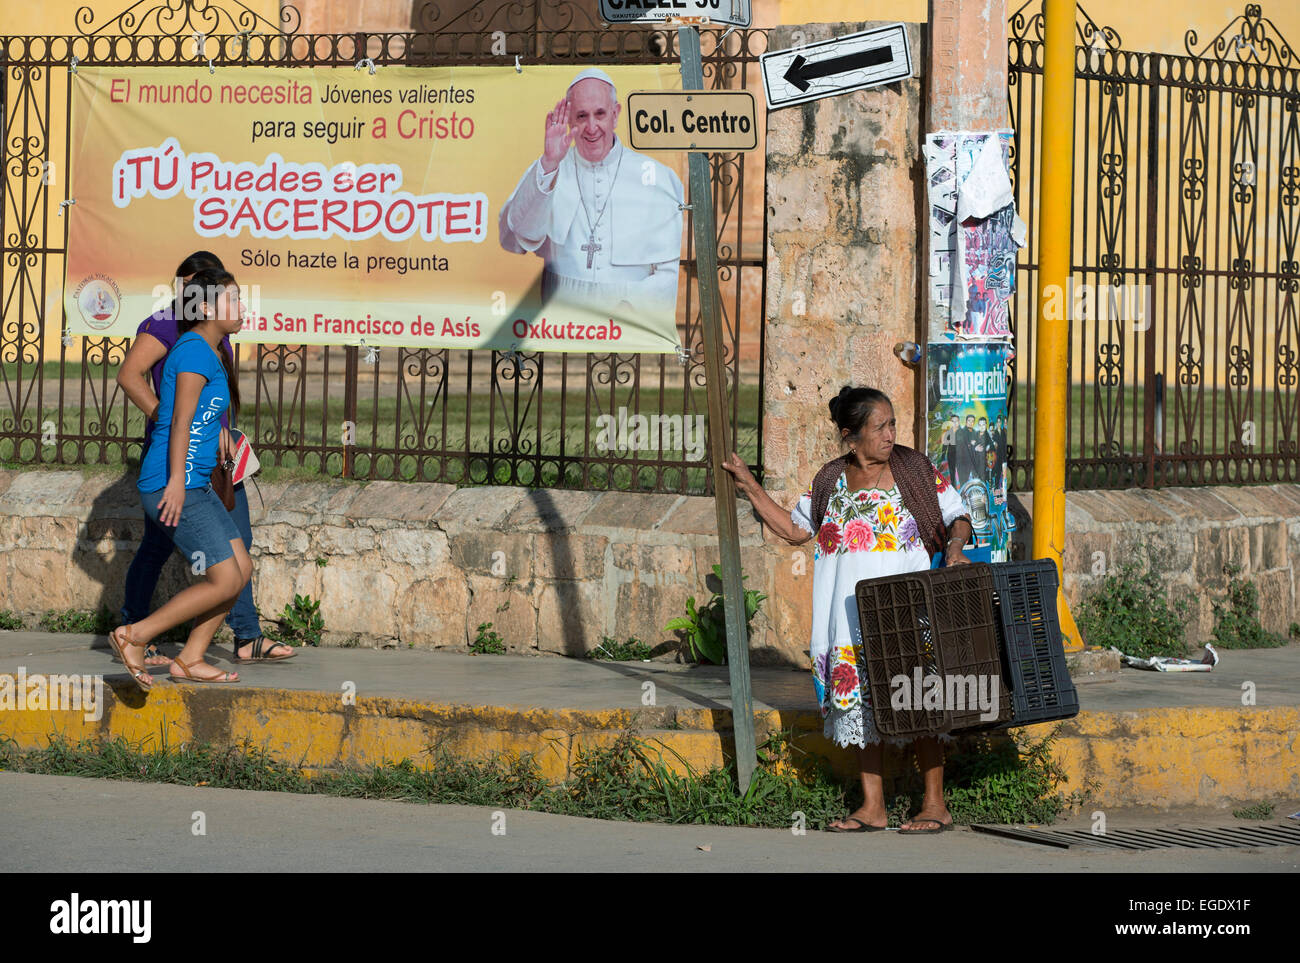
x: 882, y: 509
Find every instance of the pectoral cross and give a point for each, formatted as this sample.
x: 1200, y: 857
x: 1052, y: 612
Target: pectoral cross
x: 591, y: 247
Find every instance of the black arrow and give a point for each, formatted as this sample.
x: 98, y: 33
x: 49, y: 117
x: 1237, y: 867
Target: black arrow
x: 800, y: 72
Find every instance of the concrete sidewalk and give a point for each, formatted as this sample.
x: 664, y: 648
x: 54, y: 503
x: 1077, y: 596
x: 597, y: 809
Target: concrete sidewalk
x: 1145, y: 738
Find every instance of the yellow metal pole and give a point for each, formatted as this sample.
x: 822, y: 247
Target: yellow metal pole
x: 1051, y: 383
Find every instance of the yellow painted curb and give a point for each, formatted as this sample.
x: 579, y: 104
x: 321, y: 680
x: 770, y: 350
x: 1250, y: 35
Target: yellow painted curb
x: 1152, y: 757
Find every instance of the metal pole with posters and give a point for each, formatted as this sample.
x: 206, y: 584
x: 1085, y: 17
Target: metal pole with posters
x: 733, y: 594
x: 1051, y: 371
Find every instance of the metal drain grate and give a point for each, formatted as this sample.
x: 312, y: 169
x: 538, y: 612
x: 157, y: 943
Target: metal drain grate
x: 1214, y: 837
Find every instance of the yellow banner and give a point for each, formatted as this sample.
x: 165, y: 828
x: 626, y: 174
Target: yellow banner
x: 458, y: 207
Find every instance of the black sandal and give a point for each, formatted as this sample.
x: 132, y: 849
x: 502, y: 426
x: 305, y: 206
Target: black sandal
x: 261, y: 644
x: 863, y: 827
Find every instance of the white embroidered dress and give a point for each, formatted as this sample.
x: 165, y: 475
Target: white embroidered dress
x: 865, y: 534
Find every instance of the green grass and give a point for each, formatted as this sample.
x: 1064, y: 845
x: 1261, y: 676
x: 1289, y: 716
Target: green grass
x: 386, y: 433
x: 1006, y: 782
x: 612, y: 650
x: 1262, y: 810
x: 629, y: 780
x: 74, y: 620
x: 1092, y: 408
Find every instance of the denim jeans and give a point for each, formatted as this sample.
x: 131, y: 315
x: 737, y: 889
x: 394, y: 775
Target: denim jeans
x: 154, y: 550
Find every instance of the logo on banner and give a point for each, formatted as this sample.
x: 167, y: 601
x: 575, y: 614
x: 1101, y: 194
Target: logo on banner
x: 99, y: 300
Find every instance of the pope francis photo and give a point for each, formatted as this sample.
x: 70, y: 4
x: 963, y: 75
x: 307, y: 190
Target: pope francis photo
x: 606, y: 221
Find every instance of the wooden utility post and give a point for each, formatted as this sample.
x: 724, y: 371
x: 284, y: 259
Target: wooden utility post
x: 724, y: 488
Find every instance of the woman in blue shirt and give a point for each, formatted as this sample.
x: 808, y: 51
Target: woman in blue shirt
x: 198, y: 385
x: 141, y: 379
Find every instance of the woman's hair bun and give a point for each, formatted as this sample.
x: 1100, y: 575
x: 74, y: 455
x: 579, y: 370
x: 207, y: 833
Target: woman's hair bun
x: 838, y: 400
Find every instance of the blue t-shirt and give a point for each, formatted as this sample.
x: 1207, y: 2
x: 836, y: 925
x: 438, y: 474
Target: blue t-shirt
x: 190, y: 353
x: 162, y: 325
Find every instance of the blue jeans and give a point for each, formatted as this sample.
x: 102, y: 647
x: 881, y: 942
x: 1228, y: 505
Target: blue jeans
x: 156, y: 547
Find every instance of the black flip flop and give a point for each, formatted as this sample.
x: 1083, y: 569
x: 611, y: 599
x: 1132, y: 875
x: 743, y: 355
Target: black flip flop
x: 942, y: 828
x: 863, y: 827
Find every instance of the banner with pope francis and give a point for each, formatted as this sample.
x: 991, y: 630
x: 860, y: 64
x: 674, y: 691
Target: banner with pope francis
x: 462, y: 207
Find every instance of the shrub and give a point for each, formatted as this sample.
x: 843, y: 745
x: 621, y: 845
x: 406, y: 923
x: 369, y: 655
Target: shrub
x: 300, y: 623
x: 705, y: 629
x: 611, y: 650
x: 1236, y: 616
x: 487, y: 641
x: 1130, y: 611
x: 1006, y: 782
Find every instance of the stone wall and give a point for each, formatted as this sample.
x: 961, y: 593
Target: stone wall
x: 845, y: 185
x: 555, y: 571
x: 1188, y: 536
x: 405, y: 563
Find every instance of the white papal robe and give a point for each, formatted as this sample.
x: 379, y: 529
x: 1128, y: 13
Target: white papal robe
x: 638, y: 240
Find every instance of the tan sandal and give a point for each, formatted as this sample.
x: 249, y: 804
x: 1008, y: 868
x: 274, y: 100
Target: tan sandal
x: 140, y: 676
x: 187, y: 676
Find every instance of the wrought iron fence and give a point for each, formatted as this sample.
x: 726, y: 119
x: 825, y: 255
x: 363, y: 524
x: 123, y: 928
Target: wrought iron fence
x: 1186, y: 203
x: 457, y: 416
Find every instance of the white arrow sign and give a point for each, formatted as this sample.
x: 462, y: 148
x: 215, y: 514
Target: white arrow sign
x: 735, y: 13
x: 867, y: 59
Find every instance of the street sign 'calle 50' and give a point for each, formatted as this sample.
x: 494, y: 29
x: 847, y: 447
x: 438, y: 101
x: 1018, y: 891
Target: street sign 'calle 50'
x: 736, y: 13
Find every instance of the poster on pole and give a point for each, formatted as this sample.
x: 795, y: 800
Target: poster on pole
x: 455, y: 207
x: 966, y: 432
x: 974, y: 235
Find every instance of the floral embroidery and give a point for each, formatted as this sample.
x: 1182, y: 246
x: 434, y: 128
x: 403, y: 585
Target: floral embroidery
x: 845, y: 678
x: 908, y: 532
x: 846, y: 693
x: 858, y: 536
x: 886, y: 515
x: 863, y: 534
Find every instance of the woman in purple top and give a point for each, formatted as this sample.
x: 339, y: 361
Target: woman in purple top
x: 141, y: 379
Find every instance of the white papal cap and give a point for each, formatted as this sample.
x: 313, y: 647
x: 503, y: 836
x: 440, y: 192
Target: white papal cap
x: 592, y: 73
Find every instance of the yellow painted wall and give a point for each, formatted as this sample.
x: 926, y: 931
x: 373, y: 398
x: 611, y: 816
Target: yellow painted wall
x: 1155, y: 26
x: 57, y: 16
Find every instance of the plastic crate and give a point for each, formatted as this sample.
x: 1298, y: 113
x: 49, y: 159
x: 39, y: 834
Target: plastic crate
x: 1030, y: 638
x: 938, y: 623
x: 894, y: 614
x: 962, y: 600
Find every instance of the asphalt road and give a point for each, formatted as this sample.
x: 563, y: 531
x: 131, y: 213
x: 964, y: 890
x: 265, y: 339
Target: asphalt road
x: 67, y: 824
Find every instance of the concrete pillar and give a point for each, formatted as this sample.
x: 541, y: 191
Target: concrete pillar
x: 845, y: 189
x: 968, y: 65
